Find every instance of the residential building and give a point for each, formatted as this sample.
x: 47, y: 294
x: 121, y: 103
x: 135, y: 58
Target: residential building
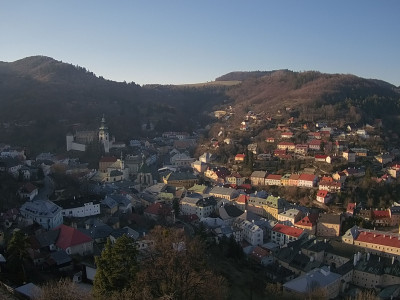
x: 181, y: 160
x: 287, y: 135
x: 315, y: 145
x: 382, y: 218
x: 44, y: 212
x: 181, y: 179
x: 286, y: 146
x: 307, y: 180
x: 257, y: 178
x: 330, y: 186
x: 362, y: 152
x: 28, y: 191
x: 294, y: 180
x: 329, y: 225
x: 290, y: 217
x: 224, y: 193
x: 384, y: 158
x: 320, y: 280
x: 323, y: 158
x: 273, y: 179
x: 308, y: 224
x: 350, y: 156
x: 206, y: 157
x: 285, y: 179
x: 239, y: 158
x: 235, y: 178
x: 323, y: 196
x: 252, y: 233
x: 301, y: 149
x: 79, y: 208
x: 73, y: 241
x: 282, y: 234
x: 197, y: 204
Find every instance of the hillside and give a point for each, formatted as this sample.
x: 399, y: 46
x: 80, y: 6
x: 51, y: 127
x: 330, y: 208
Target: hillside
x: 42, y: 98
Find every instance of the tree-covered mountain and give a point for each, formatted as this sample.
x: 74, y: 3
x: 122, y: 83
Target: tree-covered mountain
x: 42, y: 98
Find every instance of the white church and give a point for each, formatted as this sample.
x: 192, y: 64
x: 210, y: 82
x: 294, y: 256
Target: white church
x: 81, y: 139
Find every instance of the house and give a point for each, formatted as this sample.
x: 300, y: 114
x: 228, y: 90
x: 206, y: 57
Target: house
x: 199, y: 166
x: 314, y: 135
x: 301, y: 149
x: 308, y: 224
x: 356, y: 172
x: 224, y: 193
x: 181, y: 179
x: 73, y: 241
x: 329, y: 225
x: 257, y: 178
x: 282, y: 234
x: 244, y: 126
x: 261, y: 256
x: 79, y: 207
x: 320, y: 280
x: 315, y: 145
x: 270, y: 140
x: 384, y: 158
x: 273, y: 179
x: 290, y: 217
x: 323, y: 196
x: 330, y: 186
x: 287, y: 135
x: 124, y: 204
x: 252, y: 148
x: 350, y: 210
x: 239, y: 157
x: 286, y: 146
x: 217, y: 174
x: 294, y: 180
x: 350, y: 156
x: 109, y: 206
x: 252, y: 233
x: 323, y: 158
x: 106, y: 162
x: 382, y: 217
x: 307, y: 180
x: 339, y: 176
x: 197, y: 204
x: 229, y: 213
x: 360, y: 151
x: 235, y: 178
x: 285, y: 179
x: 44, y: 212
x: 28, y: 191
x: 181, y: 160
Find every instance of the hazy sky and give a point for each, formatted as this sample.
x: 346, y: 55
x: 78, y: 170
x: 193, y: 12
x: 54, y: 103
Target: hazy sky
x: 193, y: 41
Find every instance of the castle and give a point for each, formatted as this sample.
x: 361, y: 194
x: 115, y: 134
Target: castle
x: 81, y: 139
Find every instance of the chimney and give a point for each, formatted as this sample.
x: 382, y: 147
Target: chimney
x: 355, y: 259
x: 379, y: 259
x: 368, y: 255
x: 392, y: 260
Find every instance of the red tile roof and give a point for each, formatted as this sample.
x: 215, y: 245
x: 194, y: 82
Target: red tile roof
x: 242, y: 199
x: 29, y: 187
x: 158, y: 209
x: 379, y: 238
x: 351, y: 207
x: 380, y: 214
x: 307, y: 177
x: 286, y: 144
x: 322, y: 193
x: 70, y: 236
x: 321, y: 156
x: 240, y: 156
x: 274, y: 177
x: 306, y: 221
x: 287, y: 230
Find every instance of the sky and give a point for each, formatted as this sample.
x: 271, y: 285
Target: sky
x: 175, y: 42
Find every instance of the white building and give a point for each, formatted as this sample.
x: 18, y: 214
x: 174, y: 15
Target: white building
x: 181, y: 160
x: 196, y: 204
x: 44, y: 212
x: 282, y: 234
x: 290, y: 217
x: 79, y: 209
x: 252, y: 233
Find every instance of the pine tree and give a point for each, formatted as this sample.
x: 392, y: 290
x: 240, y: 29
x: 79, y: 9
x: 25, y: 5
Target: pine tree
x: 17, y: 254
x: 116, y: 267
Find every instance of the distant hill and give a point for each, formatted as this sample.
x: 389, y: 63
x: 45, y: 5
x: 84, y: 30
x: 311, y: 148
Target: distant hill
x: 42, y: 98
x: 240, y: 76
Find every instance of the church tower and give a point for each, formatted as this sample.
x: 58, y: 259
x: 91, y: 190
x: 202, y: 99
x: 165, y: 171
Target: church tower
x: 104, y: 137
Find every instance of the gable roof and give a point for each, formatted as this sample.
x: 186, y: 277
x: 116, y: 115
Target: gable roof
x: 306, y: 221
x: 379, y: 238
x: 287, y: 230
x: 70, y: 236
x: 307, y: 177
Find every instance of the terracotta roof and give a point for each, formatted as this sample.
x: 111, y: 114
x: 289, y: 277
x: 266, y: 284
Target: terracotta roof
x: 29, y: 187
x: 351, y: 207
x: 322, y: 193
x: 242, y: 156
x: 305, y: 222
x: 327, y: 178
x: 380, y: 214
x: 286, y: 144
x: 274, y: 177
x: 321, y: 156
x: 307, y: 177
x: 379, y: 238
x: 287, y: 230
x: 70, y: 236
x: 258, y: 253
x: 108, y: 159
x: 242, y: 199
x: 315, y: 142
x: 294, y: 177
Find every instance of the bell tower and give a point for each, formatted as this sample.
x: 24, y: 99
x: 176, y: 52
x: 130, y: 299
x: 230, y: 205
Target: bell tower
x: 104, y: 137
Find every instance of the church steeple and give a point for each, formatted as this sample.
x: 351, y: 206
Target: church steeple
x: 103, y: 135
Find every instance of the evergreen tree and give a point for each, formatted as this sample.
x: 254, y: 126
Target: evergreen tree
x: 17, y: 254
x: 116, y: 267
x: 176, y: 207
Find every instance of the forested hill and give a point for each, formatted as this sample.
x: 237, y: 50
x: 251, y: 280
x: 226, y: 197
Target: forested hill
x: 42, y: 98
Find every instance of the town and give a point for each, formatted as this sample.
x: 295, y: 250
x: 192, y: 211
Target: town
x: 312, y: 205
